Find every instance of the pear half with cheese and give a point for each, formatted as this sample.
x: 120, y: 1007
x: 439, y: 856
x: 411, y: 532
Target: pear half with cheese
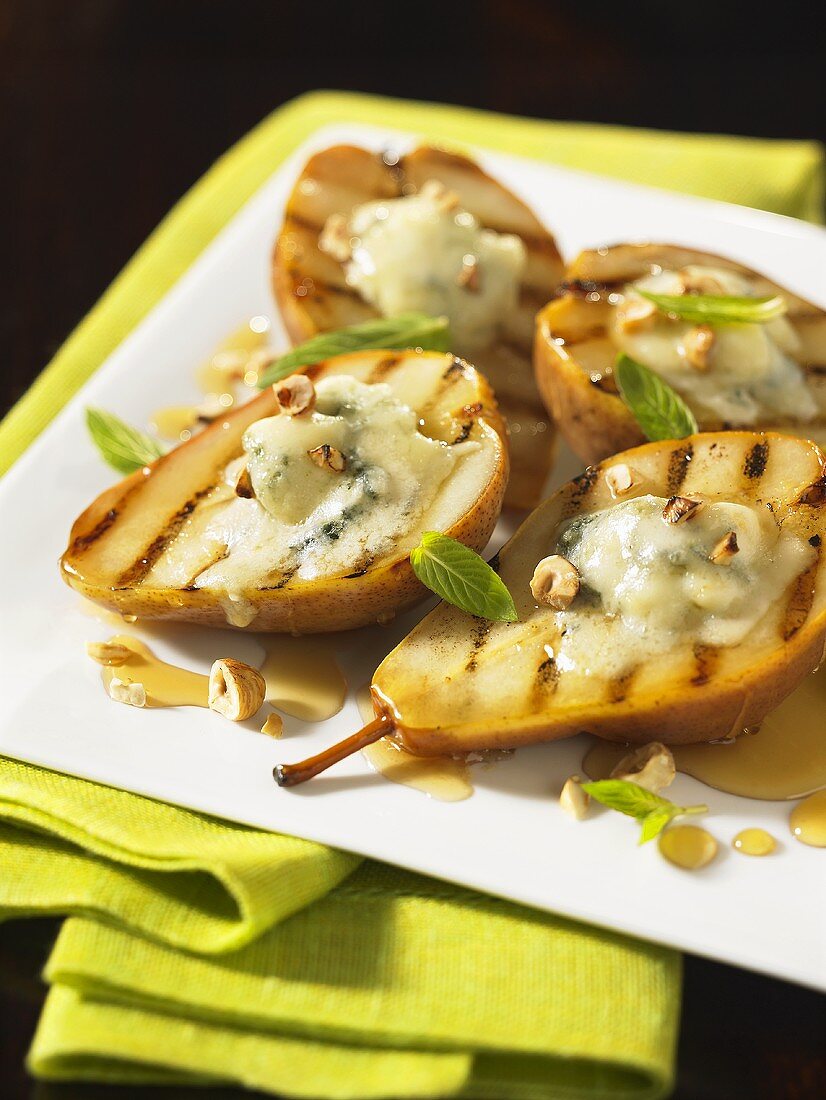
x: 768, y: 376
x: 367, y: 235
x: 690, y: 599
x: 302, y: 520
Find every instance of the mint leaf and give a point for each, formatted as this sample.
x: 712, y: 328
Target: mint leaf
x: 460, y: 576
x: 124, y: 448
x: 717, y: 309
x: 654, y: 823
x: 627, y: 797
x: 407, y: 330
x: 651, y: 810
x: 659, y: 411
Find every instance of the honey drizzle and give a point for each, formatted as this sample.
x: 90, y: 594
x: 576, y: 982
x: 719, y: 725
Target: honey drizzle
x: 166, y: 685
x: 303, y: 677
x: 441, y: 777
x: 784, y: 759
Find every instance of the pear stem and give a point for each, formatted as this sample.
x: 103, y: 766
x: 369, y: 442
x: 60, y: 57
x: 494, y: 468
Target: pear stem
x: 288, y: 775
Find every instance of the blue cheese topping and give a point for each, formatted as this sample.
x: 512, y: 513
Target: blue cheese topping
x: 738, y: 374
x: 424, y: 252
x: 312, y: 518
x: 656, y: 583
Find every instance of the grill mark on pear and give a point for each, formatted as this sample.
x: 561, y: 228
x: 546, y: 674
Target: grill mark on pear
x: 620, y: 686
x: 706, y: 660
x: 83, y: 542
x: 814, y: 494
x: 678, y: 463
x: 755, y: 465
x: 300, y: 222
x: 546, y: 680
x: 136, y: 572
x: 480, y: 636
x: 801, y: 598
x: 383, y: 368
x: 220, y: 554
x: 581, y: 488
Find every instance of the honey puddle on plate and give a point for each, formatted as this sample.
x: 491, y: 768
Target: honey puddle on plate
x: 441, y: 777
x: 785, y: 759
x: 165, y: 685
x: 303, y: 677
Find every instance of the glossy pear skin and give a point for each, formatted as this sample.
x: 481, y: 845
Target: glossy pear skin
x: 125, y: 550
x: 313, y: 295
x: 574, y: 353
x: 457, y: 683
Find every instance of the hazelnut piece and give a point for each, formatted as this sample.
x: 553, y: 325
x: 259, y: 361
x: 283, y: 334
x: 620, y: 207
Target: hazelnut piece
x: 295, y: 395
x: 236, y: 690
x: 555, y: 582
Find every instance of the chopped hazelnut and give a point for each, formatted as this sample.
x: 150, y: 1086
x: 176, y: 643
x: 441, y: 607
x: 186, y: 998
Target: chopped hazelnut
x: 328, y: 457
x: 443, y: 196
x: 335, y: 238
x: 243, y: 486
x: 698, y: 344
x: 236, y: 690
x: 678, y: 509
x: 725, y: 549
x: 636, y: 313
x: 274, y: 725
x: 650, y: 766
x: 108, y: 653
x: 468, y: 277
x: 133, y: 694
x: 295, y: 395
x: 573, y: 800
x: 618, y: 479
x: 555, y: 582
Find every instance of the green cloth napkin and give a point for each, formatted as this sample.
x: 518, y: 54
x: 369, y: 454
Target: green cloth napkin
x: 194, y: 961
x: 206, y: 952
x: 392, y: 985
x: 68, y: 846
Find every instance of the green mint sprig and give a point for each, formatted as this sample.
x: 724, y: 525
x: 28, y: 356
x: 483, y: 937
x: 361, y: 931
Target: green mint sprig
x: 460, y: 576
x: 651, y: 810
x: 407, y: 330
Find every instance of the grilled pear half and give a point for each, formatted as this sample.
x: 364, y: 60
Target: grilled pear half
x: 457, y: 684
x: 156, y: 544
x: 313, y: 294
x: 577, y: 344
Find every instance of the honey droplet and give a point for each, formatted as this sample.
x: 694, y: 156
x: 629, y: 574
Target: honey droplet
x: 687, y: 846
x: 807, y: 820
x: 754, y: 842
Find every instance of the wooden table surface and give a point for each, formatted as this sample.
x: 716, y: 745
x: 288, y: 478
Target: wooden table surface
x: 110, y: 109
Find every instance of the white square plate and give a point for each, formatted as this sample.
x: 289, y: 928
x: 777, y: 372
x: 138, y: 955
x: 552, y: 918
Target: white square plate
x: 511, y: 838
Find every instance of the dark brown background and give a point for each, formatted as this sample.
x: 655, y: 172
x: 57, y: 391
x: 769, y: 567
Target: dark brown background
x: 111, y: 109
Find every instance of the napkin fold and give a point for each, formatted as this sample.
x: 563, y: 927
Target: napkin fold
x: 392, y: 985
x: 69, y: 846
x: 205, y: 952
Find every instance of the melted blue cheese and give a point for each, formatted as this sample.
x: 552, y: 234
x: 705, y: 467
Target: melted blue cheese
x: 423, y: 252
x: 654, y: 584
x: 752, y: 374
x: 310, y: 521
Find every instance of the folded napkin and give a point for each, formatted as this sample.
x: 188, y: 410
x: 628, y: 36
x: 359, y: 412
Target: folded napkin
x: 68, y: 846
x: 205, y: 952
